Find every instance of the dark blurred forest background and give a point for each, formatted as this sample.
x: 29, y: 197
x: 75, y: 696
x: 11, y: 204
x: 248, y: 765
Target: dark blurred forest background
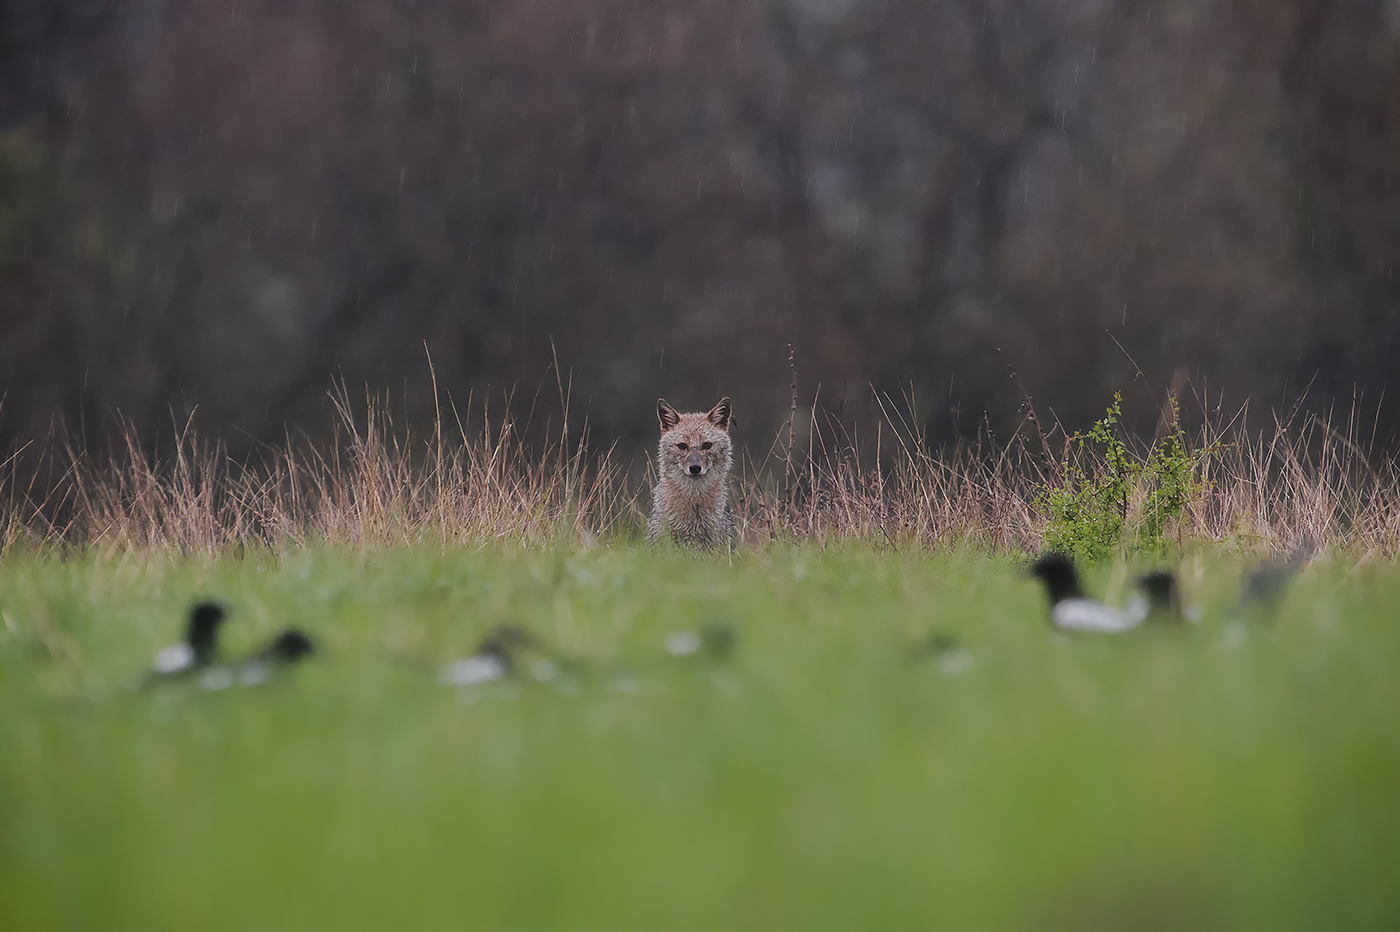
x: 222, y: 205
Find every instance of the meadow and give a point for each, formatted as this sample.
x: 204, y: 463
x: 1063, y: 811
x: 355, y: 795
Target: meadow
x: 836, y: 771
x: 898, y: 738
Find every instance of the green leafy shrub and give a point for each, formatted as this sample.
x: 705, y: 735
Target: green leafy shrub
x: 1103, y: 484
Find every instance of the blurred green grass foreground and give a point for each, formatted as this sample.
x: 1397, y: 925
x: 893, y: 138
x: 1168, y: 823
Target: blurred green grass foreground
x: 835, y: 771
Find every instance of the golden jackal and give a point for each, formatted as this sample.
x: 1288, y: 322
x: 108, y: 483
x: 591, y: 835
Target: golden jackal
x: 691, y: 501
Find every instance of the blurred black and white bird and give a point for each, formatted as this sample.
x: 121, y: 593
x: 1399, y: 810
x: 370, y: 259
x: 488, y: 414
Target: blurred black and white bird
x: 1163, y: 595
x: 946, y: 650
x: 284, y: 651
x: 1072, y: 610
x: 714, y: 640
x: 1263, y: 585
x: 196, y: 652
x: 1261, y: 591
x: 502, y: 653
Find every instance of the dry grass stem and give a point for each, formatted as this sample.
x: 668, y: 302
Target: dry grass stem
x: 1298, y: 484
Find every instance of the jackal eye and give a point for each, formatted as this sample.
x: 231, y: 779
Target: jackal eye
x: 682, y: 446
x: 706, y: 445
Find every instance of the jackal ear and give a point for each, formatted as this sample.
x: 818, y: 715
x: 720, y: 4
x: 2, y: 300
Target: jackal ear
x: 666, y: 415
x: 719, y: 414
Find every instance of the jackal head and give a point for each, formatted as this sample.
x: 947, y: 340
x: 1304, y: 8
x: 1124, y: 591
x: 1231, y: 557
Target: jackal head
x: 693, y: 445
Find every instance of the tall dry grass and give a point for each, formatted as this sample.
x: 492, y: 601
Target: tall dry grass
x: 372, y: 486
x: 1299, y: 485
x: 1264, y: 493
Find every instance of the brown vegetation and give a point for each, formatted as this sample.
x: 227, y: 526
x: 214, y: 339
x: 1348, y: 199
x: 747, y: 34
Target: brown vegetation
x: 1304, y: 483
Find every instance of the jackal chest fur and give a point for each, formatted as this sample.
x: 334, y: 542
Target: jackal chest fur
x: 690, y: 503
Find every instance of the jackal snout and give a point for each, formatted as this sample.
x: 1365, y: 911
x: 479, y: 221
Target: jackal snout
x: 693, y: 464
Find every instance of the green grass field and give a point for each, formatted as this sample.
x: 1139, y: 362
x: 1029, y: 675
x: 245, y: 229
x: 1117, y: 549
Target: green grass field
x: 832, y: 774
